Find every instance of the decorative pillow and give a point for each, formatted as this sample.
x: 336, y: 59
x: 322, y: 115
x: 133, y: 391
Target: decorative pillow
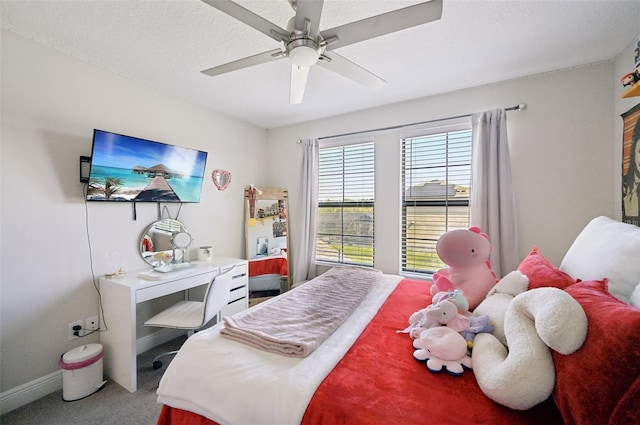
x: 606, y: 248
x: 542, y: 273
x: 600, y: 383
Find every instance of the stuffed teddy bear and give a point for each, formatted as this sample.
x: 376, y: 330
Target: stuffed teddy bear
x: 442, y: 347
x: 443, y: 313
x: 466, y: 254
x: 520, y: 373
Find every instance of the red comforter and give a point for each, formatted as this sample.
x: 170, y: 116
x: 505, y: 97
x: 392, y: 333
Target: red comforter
x: 379, y: 382
x: 276, y: 265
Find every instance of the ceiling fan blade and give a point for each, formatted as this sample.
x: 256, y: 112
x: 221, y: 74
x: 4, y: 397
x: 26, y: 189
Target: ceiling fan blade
x: 299, y: 76
x: 248, y: 17
x: 264, y: 57
x: 385, y: 23
x: 346, y: 68
x: 308, y: 10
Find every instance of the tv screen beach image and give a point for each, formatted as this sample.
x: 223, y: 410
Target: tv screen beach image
x: 125, y: 168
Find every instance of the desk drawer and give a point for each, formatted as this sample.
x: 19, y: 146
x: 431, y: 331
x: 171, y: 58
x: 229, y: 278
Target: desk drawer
x: 239, y: 271
x: 238, y: 292
x: 169, y: 287
x: 234, y: 307
x: 239, y: 282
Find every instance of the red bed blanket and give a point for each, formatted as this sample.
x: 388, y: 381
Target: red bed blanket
x: 276, y: 265
x: 379, y: 382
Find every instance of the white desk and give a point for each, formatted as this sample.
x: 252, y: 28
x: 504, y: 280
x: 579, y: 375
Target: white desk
x: 120, y: 296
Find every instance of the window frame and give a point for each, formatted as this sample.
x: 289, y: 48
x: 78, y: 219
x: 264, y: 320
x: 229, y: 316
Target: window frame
x: 462, y: 124
x: 343, y: 143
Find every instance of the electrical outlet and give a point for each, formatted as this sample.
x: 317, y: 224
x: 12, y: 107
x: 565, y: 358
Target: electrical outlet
x: 91, y: 323
x: 71, y: 336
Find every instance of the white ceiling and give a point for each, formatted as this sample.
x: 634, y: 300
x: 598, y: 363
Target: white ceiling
x: 165, y: 44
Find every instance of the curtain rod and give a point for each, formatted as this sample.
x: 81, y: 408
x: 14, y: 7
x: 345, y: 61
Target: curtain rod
x: 519, y: 107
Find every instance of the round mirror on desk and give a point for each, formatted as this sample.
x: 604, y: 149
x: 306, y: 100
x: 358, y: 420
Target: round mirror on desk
x: 181, y: 240
x: 164, y: 242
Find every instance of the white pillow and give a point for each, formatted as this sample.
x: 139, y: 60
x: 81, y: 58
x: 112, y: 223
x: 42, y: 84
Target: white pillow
x: 606, y: 248
x: 634, y: 299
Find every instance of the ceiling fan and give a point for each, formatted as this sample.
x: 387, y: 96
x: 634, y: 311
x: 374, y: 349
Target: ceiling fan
x: 306, y: 46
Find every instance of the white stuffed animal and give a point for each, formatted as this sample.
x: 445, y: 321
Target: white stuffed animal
x: 497, y: 300
x: 531, y: 322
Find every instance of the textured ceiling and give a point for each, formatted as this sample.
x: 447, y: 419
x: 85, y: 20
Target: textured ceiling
x: 165, y: 44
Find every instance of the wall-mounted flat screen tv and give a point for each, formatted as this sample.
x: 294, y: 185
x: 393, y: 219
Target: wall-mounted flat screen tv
x: 125, y: 168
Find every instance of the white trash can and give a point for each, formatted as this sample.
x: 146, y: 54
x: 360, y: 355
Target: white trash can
x: 82, y: 372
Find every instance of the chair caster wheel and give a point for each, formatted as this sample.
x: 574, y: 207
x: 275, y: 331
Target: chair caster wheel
x: 157, y: 365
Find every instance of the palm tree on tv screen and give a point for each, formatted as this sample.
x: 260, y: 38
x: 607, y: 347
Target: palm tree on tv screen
x: 110, y: 187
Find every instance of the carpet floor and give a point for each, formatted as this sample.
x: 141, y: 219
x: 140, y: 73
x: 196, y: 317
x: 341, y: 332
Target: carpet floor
x: 113, y: 405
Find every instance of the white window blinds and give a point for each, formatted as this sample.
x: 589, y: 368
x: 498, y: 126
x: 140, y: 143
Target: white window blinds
x: 346, y: 204
x: 436, y: 182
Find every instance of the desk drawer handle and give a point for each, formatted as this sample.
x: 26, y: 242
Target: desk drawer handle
x: 235, y: 301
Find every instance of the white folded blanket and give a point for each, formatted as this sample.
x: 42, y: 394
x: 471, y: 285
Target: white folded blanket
x: 295, y: 323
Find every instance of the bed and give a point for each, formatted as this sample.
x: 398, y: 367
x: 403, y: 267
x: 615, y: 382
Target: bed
x: 267, y: 273
x: 364, y: 371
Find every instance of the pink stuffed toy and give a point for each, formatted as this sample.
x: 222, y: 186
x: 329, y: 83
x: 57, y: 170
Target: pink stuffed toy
x: 466, y: 253
x: 442, y: 347
x: 443, y: 313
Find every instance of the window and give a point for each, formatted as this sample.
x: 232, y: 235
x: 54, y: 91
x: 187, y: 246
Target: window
x: 436, y: 182
x: 345, y: 231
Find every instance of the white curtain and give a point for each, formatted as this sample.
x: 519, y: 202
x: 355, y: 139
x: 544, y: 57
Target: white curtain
x: 305, y: 253
x: 492, y: 205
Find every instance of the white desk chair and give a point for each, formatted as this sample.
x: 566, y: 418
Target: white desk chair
x: 193, y: 315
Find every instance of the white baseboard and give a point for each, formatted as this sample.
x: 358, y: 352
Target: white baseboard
x: 40, y: 387
x: 156, y: 338
x: 30, y: 391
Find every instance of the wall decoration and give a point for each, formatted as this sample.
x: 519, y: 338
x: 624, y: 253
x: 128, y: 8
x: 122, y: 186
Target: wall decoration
x: 279, y: 229
x: 631, y: 166
x: 221, y: 178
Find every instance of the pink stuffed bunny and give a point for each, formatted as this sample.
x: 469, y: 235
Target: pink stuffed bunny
x: 443, y: 313
x: 466, y: 253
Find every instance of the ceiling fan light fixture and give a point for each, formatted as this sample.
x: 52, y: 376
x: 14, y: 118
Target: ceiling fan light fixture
x: 303, y: 56
x: 303, y: 52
